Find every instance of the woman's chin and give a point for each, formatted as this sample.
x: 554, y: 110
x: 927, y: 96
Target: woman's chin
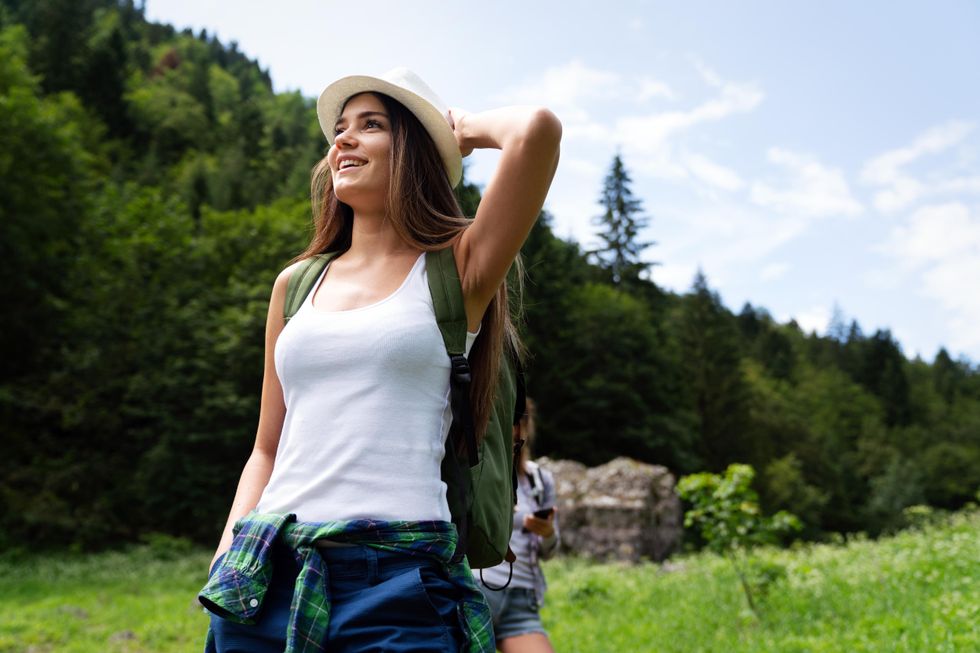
x: 350, y: 192
x: 346, y: 192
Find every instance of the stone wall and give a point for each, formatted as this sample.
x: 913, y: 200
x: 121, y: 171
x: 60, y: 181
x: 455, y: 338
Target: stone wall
x: 623, y: 510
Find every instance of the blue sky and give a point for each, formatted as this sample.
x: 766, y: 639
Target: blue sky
x: 805, y: 155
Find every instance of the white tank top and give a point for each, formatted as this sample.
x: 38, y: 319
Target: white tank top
x: 367, y: 410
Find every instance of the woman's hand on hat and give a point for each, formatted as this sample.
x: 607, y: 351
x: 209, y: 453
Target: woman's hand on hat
x: 456, y: 116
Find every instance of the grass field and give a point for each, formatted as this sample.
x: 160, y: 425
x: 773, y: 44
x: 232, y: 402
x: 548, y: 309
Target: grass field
x: 915, y: 591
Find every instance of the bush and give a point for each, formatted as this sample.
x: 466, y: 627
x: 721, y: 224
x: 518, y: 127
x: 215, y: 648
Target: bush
x: 725, y: 511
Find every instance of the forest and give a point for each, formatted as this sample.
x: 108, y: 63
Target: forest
x: 152, y: 185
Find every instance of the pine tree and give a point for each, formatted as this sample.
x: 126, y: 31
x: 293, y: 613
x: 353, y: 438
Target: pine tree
x: 947, y: 376
x: 621, y: 223
x: 710, y: 360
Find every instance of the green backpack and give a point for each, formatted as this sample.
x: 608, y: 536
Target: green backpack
x: 481, y: 479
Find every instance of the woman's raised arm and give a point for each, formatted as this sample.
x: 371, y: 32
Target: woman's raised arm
x: 528, y: 138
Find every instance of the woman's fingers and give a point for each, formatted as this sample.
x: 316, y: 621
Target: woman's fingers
x: 455, y: 116
x: 542, y: 527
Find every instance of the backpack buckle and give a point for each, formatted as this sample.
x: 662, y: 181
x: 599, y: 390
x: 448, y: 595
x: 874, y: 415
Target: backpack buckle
x: 459, y: 390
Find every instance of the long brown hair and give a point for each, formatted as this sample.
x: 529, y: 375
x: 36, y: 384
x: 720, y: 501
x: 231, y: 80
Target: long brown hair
x: 525, y: 428
x: 423, y: 210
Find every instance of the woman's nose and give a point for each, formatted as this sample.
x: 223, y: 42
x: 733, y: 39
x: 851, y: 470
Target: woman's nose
x: 344, y: 138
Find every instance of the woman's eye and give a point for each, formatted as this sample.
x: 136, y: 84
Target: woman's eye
x: 372, y: 123
x: 338, y: 131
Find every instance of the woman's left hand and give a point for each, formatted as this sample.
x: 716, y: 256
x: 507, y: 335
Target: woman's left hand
x: 538, y: 526
x: 456, y: 117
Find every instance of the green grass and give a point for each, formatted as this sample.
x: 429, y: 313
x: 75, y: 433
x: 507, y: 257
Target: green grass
x: 916, y: 591
x: 141, y: 600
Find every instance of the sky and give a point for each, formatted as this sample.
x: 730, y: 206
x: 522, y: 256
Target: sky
x: 808, y: 157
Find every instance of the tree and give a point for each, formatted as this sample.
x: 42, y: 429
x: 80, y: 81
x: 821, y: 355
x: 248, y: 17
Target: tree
x: 710, y: 359
x: 947, y: 376
x: 47, y: 166
x: 882, y: 372
x: 103, y: 73
x: 607, y: 368
x: 836, y: 328
x: 621, y: 224
x: 844, y: 444
x: 600, y: 350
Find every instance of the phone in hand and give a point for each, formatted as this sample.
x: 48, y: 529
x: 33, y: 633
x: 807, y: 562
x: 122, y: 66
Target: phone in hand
x: 544, y: 513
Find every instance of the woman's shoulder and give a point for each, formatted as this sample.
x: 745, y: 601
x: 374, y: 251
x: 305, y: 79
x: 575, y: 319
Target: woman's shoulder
x: 545, y: 473
x: 549, y: 478
x: 287, y: 271
x: 282, y: 280
x: 281, y: 285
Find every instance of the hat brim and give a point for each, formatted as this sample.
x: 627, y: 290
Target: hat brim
x: 331, y: 103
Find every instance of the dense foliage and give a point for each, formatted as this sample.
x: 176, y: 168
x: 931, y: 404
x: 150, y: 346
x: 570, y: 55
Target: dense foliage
x: 152, y: 185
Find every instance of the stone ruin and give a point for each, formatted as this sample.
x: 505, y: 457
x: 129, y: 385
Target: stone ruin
x: 623, y: 510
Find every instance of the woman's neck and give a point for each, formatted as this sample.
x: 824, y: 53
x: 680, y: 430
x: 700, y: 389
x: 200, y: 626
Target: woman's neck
x: 373, y: 237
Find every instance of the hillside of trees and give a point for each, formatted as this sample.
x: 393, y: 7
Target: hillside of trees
x: 152, y: 185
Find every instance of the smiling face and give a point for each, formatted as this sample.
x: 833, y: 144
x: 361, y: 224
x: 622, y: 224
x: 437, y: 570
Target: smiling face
x: 360, y: 156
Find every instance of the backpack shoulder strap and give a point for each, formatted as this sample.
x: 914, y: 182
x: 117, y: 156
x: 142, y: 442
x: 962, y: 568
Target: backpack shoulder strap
x: 301, y: 282
x: 533, y: 471
x: 447, y: 300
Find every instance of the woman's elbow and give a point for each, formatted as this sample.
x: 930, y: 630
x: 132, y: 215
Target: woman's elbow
x: 545, y: 127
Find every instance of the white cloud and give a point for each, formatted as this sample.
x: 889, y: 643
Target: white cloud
x: 661, y: 164
x: 940, y: 246
x: 773, y: 271
x: 595, y: 107
x: 677, y: 276
x: 584, y: 167
x: 648, y: 133
x: 712, y: 173
x: 710, y: 77
x: 884, y: 168
x: 961, y: 185
x: 902, y: 192
x: 730, y: 238
x: 653, y: 88
x: 813, y: 189
x: 565, y: 89
x: 584, y: 131
x: 935, y: 234
x: 573, y: 217
x: 815, y: 319
x: 648, y: 140
x: 899, y: 189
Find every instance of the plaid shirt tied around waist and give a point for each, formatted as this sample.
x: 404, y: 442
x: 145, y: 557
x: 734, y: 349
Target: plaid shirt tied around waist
x: 238, y: 585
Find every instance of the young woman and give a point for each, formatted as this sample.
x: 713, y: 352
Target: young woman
x: 339, y: 536
x: 516, y: 595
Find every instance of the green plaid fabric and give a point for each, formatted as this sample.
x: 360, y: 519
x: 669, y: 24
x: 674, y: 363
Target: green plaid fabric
x: 238, y: 585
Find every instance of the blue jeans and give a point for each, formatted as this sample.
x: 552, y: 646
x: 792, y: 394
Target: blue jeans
x: 515, y: 612
x: 379, y: 601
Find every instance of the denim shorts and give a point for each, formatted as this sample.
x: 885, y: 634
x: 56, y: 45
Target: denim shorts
x: 515, y: 612
x: 379, y: 601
